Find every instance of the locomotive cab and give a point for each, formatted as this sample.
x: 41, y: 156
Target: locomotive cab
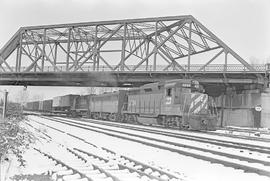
x: 186, y: 105
x: 174, y: 91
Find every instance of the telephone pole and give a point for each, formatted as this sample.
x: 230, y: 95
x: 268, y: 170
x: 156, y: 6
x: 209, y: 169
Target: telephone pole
x: 5, y: 104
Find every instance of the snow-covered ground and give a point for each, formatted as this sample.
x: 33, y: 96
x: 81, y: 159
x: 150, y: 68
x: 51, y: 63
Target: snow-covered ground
x: 35, y: 162
x: 248, y: 132
x: 190, y: 168
x: 200, y: 134
x: 232, y: 151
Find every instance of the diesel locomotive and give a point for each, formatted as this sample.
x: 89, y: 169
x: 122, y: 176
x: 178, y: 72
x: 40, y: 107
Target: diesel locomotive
x: 180, y: 104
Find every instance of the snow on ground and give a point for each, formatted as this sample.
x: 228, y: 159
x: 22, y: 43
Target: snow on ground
x: 244, y: 132
x: 200, y: 134
x: 190, y: 168
x: 35, y: 162
x: 246, y: 153
x: 208, y: 154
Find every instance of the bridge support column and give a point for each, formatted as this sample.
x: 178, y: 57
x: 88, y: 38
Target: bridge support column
x: 226, y: 104
x: 223, y: 100
x: 265, y: 113
x: 237, y: 108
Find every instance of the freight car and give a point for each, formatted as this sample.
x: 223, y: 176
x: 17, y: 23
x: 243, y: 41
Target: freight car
x: 32, y: 106
x: 45, y: 106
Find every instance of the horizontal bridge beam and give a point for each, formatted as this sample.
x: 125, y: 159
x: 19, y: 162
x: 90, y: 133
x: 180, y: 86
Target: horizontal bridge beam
x: 112, y: 22
x: 84, y: 40
x: 119, y: 79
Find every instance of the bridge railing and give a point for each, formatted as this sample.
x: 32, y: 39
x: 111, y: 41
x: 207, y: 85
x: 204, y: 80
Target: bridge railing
x: 163, y: 68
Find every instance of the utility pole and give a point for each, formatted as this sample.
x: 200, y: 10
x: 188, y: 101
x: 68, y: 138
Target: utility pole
x: 5, y: 104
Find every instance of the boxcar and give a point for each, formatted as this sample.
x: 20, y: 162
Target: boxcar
x: 47, y: 105
x: 29, y: 106
x: 35, y: 105
x: 40, y: 106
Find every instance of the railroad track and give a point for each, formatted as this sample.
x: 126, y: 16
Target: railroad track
x: 226, y: 159
x: 77, y: 164
x: 245, y: 137
x: 101, y: 163
x: 232, y: 144
x: 242, y: 133
x: 250, y: 130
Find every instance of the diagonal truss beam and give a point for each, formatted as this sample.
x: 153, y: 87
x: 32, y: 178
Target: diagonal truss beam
x: 4, y: 61
x: 41, y: 50
x: 227, y: 48
x: 211, y: 60
x: 160, y: 44
x: 83, y: 41
x: 98, y: 48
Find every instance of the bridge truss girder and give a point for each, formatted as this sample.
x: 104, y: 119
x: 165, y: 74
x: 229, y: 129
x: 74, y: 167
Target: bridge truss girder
x: 122, y: 45
x: 213, y: 82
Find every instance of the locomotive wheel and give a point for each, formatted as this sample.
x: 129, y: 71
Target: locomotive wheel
x: 130, y: 119
x: 112, y: 117
x: 95, y: 116
x: 124, y: 118
x: 119, y: 118
x: 160, y: 120
x: 133, y: 119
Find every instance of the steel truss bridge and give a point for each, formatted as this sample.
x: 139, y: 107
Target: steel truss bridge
x: 122, y: 53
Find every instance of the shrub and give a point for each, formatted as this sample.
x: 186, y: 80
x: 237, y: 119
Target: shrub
x: 14, y: 138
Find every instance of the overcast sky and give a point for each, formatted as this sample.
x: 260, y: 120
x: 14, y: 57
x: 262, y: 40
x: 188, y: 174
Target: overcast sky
x: 244, y: 25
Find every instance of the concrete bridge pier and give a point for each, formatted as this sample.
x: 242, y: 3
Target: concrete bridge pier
x: 243, y: 108
x: 265, y: 102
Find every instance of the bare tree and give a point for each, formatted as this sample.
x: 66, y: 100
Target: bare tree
x: 37, y: 97
x: 22, y: 96
x: 89, y: 90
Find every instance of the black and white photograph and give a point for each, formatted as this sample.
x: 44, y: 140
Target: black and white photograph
x: 134, y: 90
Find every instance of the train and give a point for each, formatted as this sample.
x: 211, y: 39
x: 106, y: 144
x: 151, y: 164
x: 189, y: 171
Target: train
x: 179, y: 103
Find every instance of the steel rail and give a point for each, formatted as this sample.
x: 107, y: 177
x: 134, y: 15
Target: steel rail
x: 261, y: 149
x: 140, y: 170
x: 186, y: 153
x: 267, y: 163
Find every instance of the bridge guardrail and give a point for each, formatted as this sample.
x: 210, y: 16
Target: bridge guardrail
x: 193, y: 68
